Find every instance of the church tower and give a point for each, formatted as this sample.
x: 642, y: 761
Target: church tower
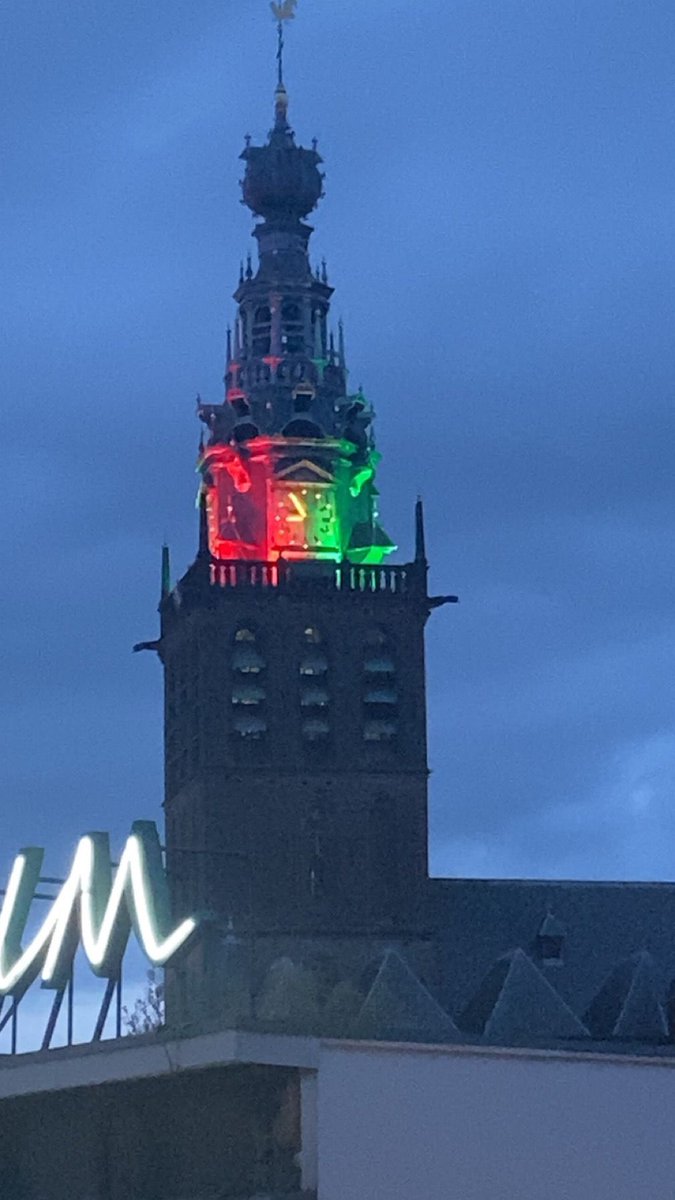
x: 293, y: 649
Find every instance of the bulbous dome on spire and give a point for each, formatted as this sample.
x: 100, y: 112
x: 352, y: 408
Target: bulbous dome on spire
x: 282, y: 180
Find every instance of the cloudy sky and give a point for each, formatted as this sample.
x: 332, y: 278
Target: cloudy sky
x: 499, y: 229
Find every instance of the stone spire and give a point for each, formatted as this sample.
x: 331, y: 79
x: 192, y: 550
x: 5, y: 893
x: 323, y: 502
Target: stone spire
x: 280, y: 361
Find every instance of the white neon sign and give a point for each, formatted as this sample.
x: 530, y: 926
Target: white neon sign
x: 92, y: 909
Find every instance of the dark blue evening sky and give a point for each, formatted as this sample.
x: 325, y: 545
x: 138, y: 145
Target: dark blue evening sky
x: 499, y: 228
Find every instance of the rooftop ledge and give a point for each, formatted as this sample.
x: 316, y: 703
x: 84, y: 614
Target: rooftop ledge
x: 144, y: 1057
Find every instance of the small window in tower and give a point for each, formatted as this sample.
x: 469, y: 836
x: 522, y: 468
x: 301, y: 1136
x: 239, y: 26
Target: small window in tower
x: 316, y: 729
x: 262, y: 316
x: 248, y: 694
x: 314, y: 692
x: 314, y: 696
x: 379, y: 731
x: 314, y: 663
x: 381, y: 694
x: 247, y: 660
x: 380, y: 688
x: 379, y: 664
x: 378, y: 657
x: 292, y: 336
x: 250, y: 725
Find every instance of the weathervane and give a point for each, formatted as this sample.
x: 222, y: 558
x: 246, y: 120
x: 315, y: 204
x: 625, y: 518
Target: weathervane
x: 284, y: 11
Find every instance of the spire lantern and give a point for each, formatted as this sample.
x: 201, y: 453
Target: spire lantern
x: 282, y: 181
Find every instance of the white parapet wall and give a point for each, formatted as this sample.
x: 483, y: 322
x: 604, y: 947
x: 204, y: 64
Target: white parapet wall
x: 418, y: 1123
x: 375, y: 1121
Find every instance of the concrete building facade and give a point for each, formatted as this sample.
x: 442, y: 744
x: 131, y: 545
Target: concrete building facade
x: 263, y: 1117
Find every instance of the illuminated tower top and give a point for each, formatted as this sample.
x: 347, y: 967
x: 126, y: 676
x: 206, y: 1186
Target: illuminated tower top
x: 289, y: 468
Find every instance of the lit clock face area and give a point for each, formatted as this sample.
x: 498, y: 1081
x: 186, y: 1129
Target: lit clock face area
x: 304, y: 520
x: 235, y: 526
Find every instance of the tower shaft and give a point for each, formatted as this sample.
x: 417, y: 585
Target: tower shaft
x: 296, y: 753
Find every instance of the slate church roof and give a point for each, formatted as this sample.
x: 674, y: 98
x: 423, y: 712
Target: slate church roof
x: 515, y: 1004
x: 574, y: 966
x: 539, y: 962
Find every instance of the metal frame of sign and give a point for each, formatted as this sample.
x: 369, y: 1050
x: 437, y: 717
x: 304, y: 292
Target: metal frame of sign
x: 94, y: 908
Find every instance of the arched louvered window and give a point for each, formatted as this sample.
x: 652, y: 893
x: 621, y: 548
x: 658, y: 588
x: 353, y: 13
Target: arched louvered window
x: 248, y: 695
x: 379, y: 688
x: 314, y: 686
x: 292, y: 328
x: 318, y: 333
x: 243, y: 327
x: 262, y: 330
